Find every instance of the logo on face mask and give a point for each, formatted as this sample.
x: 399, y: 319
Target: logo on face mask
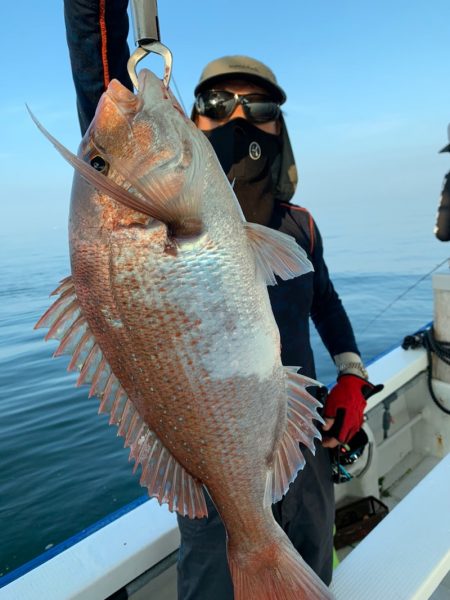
x: 254, y: 150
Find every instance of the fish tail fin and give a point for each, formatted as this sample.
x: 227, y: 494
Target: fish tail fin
x: 274, y: 572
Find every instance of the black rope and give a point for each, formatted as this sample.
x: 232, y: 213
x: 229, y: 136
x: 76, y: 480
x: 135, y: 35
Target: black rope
x: 427, y: 340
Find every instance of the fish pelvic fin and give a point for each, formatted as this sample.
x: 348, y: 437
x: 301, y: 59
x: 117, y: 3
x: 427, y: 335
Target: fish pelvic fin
x: 274, y: 571
x: 163, y: 476
x: 300, y: 429
x: 276, y: 253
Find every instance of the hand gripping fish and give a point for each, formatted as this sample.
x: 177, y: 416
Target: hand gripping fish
x: 167, y: 316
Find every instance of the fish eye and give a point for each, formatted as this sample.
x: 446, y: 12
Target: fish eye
x: 99, y: 164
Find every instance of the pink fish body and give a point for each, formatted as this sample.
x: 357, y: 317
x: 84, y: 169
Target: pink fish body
x: 167, y: 317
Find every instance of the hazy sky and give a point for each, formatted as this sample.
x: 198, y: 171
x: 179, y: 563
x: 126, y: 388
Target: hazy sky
x: 368, y: 90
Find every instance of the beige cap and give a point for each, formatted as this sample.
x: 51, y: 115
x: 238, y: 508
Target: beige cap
x: 240, y: 66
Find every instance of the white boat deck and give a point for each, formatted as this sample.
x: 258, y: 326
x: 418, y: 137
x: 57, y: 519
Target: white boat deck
x: 395, y: 494
x: 398, y: 491
x: 407, y: 556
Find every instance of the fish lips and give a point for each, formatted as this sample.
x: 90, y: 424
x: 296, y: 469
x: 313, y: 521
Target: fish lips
x: 125, y: 100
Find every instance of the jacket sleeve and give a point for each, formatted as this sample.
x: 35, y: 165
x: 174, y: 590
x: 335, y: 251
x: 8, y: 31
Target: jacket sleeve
x: 96, y: 33
x: 327, y: 312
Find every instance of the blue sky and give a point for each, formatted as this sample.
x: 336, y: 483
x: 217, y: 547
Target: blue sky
x: 368, y: 90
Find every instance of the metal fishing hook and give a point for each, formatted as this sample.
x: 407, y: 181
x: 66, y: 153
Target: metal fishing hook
x: 147, y: 38
x: 141, y: 52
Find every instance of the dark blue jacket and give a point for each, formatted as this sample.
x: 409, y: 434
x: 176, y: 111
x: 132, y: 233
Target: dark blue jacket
x: 295, y: 300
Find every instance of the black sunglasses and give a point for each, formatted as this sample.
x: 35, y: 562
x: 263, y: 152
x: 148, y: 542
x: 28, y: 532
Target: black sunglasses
x: 220, y: 104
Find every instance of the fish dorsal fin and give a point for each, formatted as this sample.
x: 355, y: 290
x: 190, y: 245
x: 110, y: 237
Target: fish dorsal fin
x: 162, y: 475
x: 301, y: 413
x: 276, y: 253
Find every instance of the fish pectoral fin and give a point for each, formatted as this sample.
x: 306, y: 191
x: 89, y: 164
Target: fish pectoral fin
x: 276, y: 253
x: 301, y: 414
x: 169, y: 193
x: 162, y: 474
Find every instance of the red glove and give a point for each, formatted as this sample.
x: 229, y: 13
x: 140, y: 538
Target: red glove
x: 346, y: 403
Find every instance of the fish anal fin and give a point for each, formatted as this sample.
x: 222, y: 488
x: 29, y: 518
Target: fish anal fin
x: 276, y: 253
x: 165, y: 478
x: 300, y: 428
x: 64, y: 285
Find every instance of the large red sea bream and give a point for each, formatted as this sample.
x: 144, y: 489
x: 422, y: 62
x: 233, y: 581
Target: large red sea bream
x: 167, y: 316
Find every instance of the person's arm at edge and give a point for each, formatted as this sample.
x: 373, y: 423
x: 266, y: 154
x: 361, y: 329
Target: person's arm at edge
x: 96, y: 32
x: 336, y: 332
x: 328, y: 313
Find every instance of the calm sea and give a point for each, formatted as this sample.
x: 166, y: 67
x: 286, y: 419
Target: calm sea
x: 62, y: 467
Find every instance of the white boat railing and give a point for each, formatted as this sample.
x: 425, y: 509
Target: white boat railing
x: 103, y: 562
x: 394, y: 369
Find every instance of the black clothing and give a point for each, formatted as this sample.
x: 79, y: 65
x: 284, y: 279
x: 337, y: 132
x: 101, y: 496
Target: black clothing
x: 442, y: 229
x: 250, y: 159
x: 97, y: 38
x: 293, y: 301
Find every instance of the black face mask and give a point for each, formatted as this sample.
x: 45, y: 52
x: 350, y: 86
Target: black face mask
x: 251, y: 158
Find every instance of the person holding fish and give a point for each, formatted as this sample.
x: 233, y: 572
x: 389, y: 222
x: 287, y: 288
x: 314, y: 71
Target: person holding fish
x: 238, y: 108
x: 442, y: 227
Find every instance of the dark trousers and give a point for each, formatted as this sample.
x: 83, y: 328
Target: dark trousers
x: 306, y: 513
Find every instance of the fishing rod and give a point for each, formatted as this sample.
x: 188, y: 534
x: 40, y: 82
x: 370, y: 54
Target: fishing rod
x: 180, y: 98
x: 411, y: 287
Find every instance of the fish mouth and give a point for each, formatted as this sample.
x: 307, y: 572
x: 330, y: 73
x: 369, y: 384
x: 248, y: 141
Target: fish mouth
x: 151, y: 88
x: 144, y: 77
x: 128, y: 103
